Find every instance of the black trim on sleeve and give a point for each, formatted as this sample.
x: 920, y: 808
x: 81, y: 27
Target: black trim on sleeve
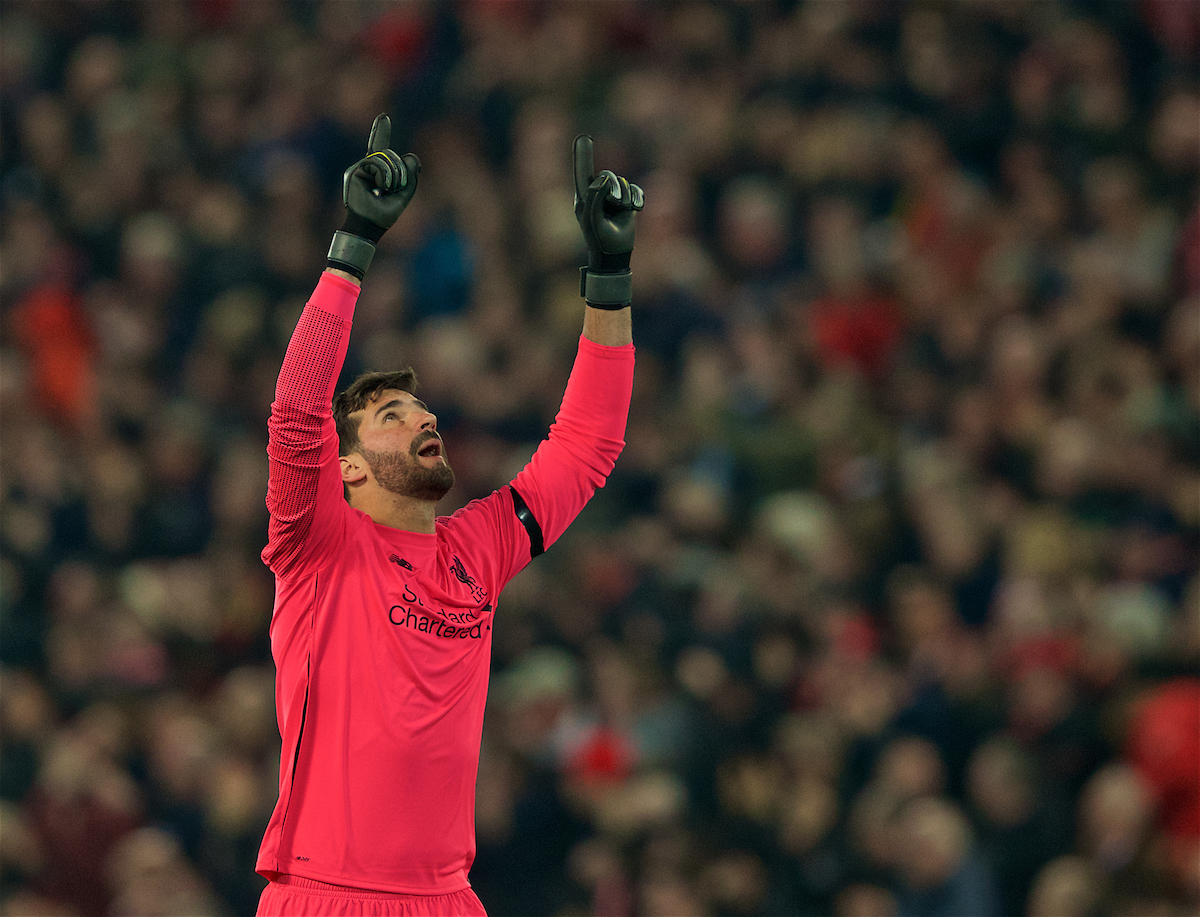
x: 521, y: 508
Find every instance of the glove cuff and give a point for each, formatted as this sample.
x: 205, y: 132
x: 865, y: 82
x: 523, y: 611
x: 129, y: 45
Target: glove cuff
x: 606, y: 291
x: 358, y: 225
x: 351, y: 253
x: 601, y: 262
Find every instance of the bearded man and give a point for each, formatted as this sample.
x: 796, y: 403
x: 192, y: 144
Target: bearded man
x: 382, y: 626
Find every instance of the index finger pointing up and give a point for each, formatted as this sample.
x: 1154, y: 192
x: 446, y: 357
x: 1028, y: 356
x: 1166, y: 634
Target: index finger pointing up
x: 381, y: 135
x: 585, y: 169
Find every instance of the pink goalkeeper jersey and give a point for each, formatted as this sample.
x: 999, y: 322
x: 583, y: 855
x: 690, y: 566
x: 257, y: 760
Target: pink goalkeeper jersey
x: 382, y: 637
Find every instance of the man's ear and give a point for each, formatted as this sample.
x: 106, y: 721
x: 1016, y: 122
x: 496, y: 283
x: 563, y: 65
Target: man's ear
x: 354, y: 469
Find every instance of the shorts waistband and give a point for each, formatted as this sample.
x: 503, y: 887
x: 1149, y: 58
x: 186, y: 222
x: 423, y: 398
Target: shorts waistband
x: 313, y: 886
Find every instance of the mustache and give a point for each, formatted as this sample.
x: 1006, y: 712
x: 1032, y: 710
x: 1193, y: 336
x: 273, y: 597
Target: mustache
x: 419, y: 443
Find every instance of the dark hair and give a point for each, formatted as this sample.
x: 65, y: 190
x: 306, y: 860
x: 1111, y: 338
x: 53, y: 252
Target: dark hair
x: 358, y: 395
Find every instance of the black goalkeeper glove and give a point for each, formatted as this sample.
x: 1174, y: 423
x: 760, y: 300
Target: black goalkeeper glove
x: 375, y: 190
x: 605, y: 206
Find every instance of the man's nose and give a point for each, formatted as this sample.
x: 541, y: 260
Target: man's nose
x: 429, y: 421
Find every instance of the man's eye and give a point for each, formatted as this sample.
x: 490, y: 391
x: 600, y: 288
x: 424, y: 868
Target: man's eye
x: 390, y: 415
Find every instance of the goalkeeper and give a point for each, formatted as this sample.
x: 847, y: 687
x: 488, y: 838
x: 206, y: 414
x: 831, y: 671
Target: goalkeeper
x: 382, y: 626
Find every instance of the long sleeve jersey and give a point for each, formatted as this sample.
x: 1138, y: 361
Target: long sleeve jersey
x: 382, y: 637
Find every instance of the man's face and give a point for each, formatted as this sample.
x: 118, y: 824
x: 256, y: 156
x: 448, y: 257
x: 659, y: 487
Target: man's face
x: 401, y: 446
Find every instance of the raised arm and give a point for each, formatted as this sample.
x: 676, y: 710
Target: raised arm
x: 606, y: 207
x: 589, y: 431
x: 304, y: 490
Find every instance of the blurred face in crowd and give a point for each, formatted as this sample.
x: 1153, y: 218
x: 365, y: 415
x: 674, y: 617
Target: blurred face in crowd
x: 934, y: 840
x: 400, y: 449
x: 911, y: 766
x: 1066, y: 887
x: 1115, y: 810
x: 1000, y: 782
x: 666, y: 895
x: 863, y: 900
x: 809, y: 812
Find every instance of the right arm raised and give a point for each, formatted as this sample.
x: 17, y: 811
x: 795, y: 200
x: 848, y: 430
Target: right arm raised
x: 304, y: 489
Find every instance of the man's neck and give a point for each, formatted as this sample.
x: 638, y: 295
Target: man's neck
x: 397, y: 512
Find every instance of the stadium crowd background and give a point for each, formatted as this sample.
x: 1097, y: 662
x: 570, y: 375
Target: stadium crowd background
x: 891, y: 605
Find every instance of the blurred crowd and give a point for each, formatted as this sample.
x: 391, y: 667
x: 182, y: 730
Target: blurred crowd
x: 891, y: 606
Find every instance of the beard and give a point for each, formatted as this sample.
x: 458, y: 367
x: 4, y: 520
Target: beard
x: 403, y: 474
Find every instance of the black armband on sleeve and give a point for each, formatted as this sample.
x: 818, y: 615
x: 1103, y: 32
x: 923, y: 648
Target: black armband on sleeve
x: 525, y: 516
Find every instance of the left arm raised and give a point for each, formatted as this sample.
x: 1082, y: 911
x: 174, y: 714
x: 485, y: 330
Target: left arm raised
x: 589, y: 431
x: 612, y: 328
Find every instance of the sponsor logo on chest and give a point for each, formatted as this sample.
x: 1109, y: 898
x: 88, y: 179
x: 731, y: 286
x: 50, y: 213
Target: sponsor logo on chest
x: 420, y: 614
